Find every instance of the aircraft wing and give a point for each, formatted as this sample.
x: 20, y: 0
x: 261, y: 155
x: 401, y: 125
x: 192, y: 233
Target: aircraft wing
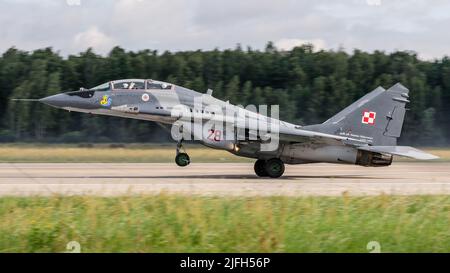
x: 294, y: 135
x: 289, y: 134
x: 405, y: 151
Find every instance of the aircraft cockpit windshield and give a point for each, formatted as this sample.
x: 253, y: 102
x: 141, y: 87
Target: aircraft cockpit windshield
x: 102, y: 87
x: 129, y: 84
x: 89, y: 93
x: 151, y: 84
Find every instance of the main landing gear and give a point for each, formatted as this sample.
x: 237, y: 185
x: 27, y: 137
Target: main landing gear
x: 182, y: 158
x: 273, y: 167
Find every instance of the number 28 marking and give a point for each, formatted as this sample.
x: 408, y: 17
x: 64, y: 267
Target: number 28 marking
x: 215, y: 135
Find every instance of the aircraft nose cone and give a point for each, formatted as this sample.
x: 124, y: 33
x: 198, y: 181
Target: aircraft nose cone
x: 58, y: 100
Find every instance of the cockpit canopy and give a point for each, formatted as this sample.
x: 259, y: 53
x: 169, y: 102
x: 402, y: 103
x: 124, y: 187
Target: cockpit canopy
x: 133, y: 84
x: 128, y: 84
x: 151, y: 84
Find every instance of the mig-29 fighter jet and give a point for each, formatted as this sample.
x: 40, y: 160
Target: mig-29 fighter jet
x: 365, y: 133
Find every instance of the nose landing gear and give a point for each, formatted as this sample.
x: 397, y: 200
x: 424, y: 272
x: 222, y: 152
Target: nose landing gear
x: 182, y: 158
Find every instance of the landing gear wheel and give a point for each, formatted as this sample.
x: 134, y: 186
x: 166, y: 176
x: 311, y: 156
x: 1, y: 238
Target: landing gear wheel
x: 274, y: 167
x: 260, y: 168
x: 182, y: 159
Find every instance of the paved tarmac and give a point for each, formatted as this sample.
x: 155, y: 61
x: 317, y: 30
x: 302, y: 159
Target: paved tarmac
x: 237, y: 179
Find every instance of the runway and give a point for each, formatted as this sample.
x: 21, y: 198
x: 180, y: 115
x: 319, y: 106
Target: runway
x: 236, y: 179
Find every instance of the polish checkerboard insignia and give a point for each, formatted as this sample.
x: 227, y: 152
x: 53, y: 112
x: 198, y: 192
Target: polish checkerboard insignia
x: 368, y: 117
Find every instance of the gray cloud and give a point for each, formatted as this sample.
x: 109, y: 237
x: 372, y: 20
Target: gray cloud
x: 205, y: 24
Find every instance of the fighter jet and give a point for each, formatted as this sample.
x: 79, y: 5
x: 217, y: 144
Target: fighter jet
x: 365, y: 133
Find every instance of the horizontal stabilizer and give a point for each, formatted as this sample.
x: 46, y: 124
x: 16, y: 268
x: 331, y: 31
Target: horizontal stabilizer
x: 400, y: 151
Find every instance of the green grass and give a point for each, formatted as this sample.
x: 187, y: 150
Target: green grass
x: 174, y: 223
x: 130, y: 153
x: 109, y: 153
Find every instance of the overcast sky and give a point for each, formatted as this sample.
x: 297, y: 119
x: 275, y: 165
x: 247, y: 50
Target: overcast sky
x: 71, y: 26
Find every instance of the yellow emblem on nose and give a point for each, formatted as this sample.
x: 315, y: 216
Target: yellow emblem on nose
x: 105, y: 101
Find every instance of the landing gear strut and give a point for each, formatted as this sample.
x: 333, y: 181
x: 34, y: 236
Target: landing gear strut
x: 182, y: 158
x: 273, y: 167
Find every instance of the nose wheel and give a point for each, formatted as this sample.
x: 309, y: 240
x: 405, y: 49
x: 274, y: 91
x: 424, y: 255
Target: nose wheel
x: 182, y: 158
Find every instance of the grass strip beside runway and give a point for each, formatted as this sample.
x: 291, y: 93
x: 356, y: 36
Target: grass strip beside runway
x: 173, y: 223
x: 109, y: 154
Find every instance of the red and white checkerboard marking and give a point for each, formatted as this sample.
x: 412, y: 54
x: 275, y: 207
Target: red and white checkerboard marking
x: 368, y: 117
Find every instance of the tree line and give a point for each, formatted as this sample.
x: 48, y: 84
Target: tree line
x: 310, y: 86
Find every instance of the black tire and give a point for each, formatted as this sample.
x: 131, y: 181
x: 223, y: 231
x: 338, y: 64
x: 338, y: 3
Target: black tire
x: 182, y: 159
x: 274, y: 167
x: 260, y: 169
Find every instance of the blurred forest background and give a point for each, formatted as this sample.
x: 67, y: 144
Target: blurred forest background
x: 309, y: 86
